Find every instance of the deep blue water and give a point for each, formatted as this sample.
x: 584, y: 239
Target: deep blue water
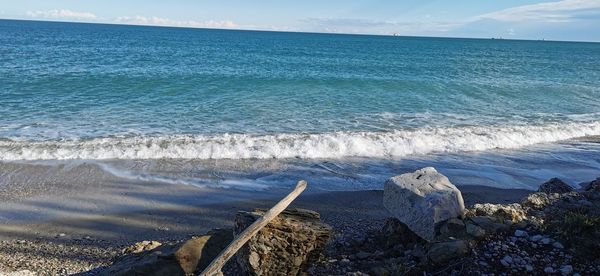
x: 89, y: 91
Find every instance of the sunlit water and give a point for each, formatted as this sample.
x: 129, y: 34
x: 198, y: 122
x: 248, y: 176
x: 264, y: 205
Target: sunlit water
x: 253, y: 110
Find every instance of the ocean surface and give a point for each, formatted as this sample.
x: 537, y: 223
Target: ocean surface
x: 256, y: 110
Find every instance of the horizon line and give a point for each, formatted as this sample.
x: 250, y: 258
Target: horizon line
x: 299, y: 32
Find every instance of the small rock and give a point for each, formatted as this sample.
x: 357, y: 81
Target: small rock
x: 549, y: 269
x: 503, y: 212
x: 529, y: 268
x: 555, y: 185
x: 508, y: 259
x: 536, y: 238
x: 520, y: 233
x: 363, y: 255
x: 444, y: 252
x: 586, y: 203
x: 379, y: 271
x: 558, y: 245
x: 566, y: 269
x: 395, y: 233
x: 141, y: 247
x: 592, y: 186
x: 536, y: 200
x: 488, y: 224
x: 546, y: 241
x: 475, y: 231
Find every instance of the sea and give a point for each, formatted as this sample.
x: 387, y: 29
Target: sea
x: 257, y: 110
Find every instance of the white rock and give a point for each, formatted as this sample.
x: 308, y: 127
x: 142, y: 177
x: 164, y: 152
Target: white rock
x: 422, y: 199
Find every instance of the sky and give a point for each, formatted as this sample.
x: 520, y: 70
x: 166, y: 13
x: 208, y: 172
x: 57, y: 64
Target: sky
x: 574, y: 20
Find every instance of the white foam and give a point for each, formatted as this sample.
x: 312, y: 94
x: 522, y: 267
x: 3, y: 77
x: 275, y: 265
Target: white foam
x: 242, y: 184
x: 327, y: 145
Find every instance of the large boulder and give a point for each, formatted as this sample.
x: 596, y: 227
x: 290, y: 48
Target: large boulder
x: 555, y: 185
x: 422, y: 199
x: 154, y: 258
x: 291, y: 241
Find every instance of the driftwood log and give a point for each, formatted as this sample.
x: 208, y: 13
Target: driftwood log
x: 214, y: 268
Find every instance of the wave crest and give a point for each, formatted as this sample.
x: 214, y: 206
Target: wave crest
x: 396, y: 143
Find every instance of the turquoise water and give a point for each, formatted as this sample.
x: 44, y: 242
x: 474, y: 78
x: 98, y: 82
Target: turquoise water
x: 104, y: 92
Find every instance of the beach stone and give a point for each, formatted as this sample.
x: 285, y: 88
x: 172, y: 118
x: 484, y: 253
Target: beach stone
x: 536, y: 238
x: 153, y: 258
x: 591, y: 190
x: 566, y: 269
x: 443, y: 252
x: 475, y: 231
x: 453, y: 227
x: 520, y: 233
x: 512, y: 212
x: 489, y: 224
x: 592, y: 185
x: 379, y: 271
x: 585, y: 203
x: 536, y: 200
x: 555, y: 185
x: 394, y: 232
x: 546, y: 241
x: 140, y: 247
x: 422, y: 199
x: 291, y: 241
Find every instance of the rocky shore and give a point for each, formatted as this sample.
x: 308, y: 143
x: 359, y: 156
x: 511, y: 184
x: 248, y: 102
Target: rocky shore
x: 422, y: 225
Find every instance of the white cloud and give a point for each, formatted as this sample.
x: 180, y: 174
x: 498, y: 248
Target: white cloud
x: 159, y: 21
x: 62, y: 14
x: 356, y: 25
x: 561, y: 11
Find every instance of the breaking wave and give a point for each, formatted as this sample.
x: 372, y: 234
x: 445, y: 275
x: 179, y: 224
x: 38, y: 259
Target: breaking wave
x: 396, y: 143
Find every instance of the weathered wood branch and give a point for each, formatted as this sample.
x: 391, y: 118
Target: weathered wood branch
x: 214, y: 268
